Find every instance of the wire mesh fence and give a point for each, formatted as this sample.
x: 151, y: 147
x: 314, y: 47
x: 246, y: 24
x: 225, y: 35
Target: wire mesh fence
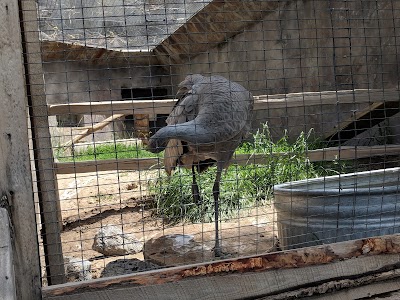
x: 289, y: 91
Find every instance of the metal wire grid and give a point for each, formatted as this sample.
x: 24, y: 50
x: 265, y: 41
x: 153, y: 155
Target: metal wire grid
x: 323, y: 68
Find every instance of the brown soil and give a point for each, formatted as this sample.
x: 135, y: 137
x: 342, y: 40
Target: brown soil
x: 92, y: 200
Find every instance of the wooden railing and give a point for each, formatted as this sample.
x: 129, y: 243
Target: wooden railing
x: 154, y: 107
x: 263, y: 102
x: 141, y: 164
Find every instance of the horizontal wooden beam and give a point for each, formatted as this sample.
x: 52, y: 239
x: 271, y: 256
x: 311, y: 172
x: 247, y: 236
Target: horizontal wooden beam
x: 140, y: 164
x: 352, y: 152
x: 357, y: 96
x: 127, y: 107
x: 133, y: 164
x: 246, y: 277
x: 152, y: 107
x: 57, y: 51
x: 366, y: 287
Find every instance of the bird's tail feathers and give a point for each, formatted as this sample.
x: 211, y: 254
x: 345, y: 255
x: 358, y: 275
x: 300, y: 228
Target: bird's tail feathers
x: 173, y: 151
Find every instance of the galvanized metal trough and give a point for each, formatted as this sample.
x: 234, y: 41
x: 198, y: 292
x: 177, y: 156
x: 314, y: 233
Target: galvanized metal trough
x: 338, y: 208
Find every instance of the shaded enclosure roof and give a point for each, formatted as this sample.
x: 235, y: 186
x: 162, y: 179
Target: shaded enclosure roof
x: 143, y: 32
x: 114, y: 24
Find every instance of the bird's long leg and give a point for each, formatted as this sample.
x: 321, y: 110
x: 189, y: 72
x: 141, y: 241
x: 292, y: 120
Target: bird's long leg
x: 217, y: 247
x: 195, y: 188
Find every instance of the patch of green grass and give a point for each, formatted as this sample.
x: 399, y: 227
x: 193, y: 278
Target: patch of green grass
x: 241, y: 186
x: 106, y: 151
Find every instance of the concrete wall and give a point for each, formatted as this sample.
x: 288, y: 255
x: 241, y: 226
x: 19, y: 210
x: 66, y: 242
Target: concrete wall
x: 310, y: 46
x: 298, y: 46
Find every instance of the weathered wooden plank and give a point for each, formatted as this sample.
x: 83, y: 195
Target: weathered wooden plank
x: 15, y: 174
x: 134, y: 164
x: 357, y: 96
x: 7, y: 275
x: 247, y: 277
x: 117, y: 107
x: 65, y: 51
x: 370, y: 290
x: 50, y: 211
x: 152, y: 107
x: 352, y: 152
x: 141, y: 164
x: 359, y: 287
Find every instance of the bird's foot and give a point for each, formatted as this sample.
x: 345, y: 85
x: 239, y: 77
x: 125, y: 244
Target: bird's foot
x: 219, y: 254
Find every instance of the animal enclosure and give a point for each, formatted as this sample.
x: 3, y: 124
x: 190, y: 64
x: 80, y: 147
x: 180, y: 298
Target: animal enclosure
x: 289, y: 137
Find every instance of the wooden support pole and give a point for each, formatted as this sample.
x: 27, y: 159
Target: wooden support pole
x: 16, y: 191
x: 89, y: 130
x: 50, y: 211
x: 141, y: 125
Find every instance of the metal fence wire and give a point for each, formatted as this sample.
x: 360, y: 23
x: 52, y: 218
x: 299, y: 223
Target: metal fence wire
x: 173, y: 132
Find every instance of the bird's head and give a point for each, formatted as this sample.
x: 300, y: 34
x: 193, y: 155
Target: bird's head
x: 156, y: 145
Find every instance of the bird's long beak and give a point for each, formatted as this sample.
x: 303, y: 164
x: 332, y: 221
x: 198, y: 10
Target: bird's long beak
x: 155, y: 145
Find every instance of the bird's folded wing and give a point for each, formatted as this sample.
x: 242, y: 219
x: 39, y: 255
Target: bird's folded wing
x: 184, y: 110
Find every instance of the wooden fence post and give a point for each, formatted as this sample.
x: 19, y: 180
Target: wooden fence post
x: 50, y: 211
x: 15, y: 174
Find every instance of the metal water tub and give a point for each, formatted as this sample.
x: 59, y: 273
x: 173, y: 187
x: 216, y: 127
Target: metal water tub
x: 338, y: 208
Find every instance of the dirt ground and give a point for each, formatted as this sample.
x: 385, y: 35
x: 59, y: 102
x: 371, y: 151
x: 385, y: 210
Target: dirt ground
x: 92, y: 200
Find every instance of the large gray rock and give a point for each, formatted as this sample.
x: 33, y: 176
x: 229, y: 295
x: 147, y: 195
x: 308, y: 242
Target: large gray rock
x: 111, y: 240
x: 179, y: 249
x: 176, y: 249
x: 127, y: 266
x: 77, y: 269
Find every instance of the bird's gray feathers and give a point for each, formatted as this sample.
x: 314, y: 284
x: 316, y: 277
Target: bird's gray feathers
x: 183, y: 111
x: 210, y: 119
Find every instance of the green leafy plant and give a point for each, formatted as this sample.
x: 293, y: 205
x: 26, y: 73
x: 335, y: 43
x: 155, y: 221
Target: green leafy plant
x: 241, y: 186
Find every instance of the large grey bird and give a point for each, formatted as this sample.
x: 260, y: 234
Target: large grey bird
x: 209, y: 121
